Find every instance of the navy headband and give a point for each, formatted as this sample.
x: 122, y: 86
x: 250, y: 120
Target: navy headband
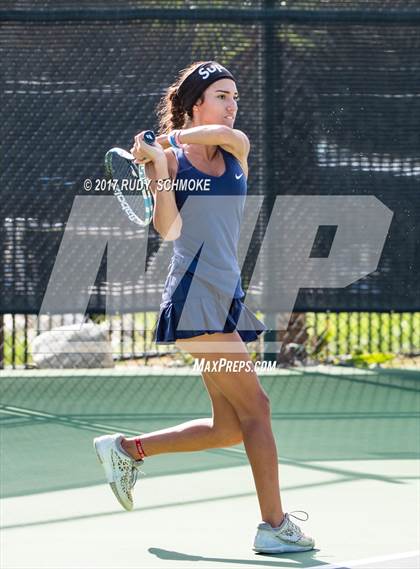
x: 198, y: 80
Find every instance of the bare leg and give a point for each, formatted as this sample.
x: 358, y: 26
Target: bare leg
x: 262, y: 453
x: 198, y: 434
x: 241, y: 411
x: 222, y: 430
x: 246, y: 395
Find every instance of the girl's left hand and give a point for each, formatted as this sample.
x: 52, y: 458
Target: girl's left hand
x: 143, y: 152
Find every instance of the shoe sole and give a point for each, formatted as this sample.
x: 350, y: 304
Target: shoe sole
x: 96, y: 443
x: 283, y: 549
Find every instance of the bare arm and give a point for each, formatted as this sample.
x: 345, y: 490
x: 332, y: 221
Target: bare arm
x: 233, y: 140
x: 166, y: 218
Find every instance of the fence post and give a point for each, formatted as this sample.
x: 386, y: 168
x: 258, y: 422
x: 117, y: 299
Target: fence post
x: 1, y: 341
x: 269, y: 195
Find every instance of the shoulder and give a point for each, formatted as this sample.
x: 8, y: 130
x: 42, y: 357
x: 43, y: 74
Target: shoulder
x: 236, y: 143
x: 233, y: 159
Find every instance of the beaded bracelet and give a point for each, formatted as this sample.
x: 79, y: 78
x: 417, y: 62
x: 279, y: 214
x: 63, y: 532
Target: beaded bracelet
x: 177, y: 138
x: 140, y: 448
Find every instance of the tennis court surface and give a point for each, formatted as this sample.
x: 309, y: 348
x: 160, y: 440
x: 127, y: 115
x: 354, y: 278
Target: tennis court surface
x: 348, y: 442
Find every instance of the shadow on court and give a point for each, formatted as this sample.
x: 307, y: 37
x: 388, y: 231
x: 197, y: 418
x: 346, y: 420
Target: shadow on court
x: 294, y: 561
x: 48, y: 421
x: 305, y: 559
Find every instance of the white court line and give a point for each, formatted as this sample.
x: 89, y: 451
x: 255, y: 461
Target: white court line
x: 358, y: 562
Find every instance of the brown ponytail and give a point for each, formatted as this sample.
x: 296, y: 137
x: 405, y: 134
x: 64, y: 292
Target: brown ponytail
x: 170, y: 111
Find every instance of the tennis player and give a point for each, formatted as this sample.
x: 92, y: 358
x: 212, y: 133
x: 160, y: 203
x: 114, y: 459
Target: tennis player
x: 202, y: 300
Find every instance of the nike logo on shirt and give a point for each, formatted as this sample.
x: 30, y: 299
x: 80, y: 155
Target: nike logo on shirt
x: 238, y: 176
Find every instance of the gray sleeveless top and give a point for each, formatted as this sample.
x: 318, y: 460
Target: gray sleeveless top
x: 211, y: 208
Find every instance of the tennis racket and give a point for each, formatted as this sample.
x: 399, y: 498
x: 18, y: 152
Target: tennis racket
x: 129, y: 183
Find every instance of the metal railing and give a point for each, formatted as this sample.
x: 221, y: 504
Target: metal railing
x: 323, y: 336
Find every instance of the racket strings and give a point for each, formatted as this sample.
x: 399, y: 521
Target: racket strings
x: 130, y: 186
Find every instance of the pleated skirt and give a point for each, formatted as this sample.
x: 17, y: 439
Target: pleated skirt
x: 205, y: 313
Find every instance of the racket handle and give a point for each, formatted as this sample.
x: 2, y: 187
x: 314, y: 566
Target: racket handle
x: 149, y: 137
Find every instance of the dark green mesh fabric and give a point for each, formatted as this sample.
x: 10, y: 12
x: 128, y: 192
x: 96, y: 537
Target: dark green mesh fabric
x: 330, y: 102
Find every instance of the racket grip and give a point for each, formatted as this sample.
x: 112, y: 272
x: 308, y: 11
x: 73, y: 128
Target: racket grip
x: 149, y: 137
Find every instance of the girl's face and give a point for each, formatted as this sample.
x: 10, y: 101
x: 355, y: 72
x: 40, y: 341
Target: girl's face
x: 219, y: 105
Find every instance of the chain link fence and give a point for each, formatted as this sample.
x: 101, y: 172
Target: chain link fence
x: 329, y: 99
x: 359, y: 338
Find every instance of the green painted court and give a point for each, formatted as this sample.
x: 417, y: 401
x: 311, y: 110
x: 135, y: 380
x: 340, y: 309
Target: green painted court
x: 348, y: 442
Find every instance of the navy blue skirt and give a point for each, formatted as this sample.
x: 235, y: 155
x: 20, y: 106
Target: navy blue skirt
x: 207, y: 308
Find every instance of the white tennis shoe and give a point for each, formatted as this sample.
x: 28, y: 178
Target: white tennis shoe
x: 120, y: 468
x: 287, y: 538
